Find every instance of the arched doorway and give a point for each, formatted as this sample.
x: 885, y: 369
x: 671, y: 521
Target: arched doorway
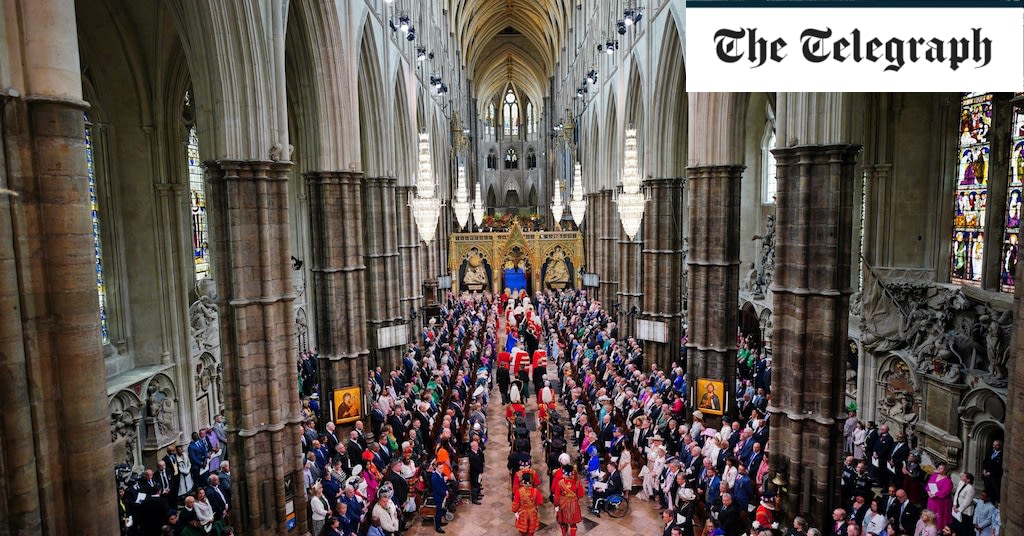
x: 750, y: 325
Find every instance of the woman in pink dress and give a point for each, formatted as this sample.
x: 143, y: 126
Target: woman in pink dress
x: 940, y: 495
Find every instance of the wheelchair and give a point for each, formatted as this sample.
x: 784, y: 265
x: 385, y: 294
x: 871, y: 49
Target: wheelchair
x: 617, y: 506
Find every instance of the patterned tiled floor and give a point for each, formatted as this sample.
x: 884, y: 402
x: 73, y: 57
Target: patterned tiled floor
x: 494, y: 517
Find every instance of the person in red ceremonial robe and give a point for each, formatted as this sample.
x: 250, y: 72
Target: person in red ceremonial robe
x: 764, y: 517
x: 568, y: 491
x: 525, y: 503
x: 503, y: 300
x: 557, y: 474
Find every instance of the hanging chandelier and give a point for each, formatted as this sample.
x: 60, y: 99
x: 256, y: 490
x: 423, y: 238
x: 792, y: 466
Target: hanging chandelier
x: 461, y: 205
x: 426, y: 208
x: 577, y: 205
x: 557, y: 208
x: 631, y: 200
x: 631, y: 164
x: 478, y: 207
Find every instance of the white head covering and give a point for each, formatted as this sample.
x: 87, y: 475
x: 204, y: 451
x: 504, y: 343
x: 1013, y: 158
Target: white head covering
x: 513, y: 394
x: 564, y: 458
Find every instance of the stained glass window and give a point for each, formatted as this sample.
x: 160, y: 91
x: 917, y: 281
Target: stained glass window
x: 1014, y: 198
x: 101, y: 287
x: 197, y: 191
x: 971, y: 190
x: 511, y: 118
x: 490, y: 122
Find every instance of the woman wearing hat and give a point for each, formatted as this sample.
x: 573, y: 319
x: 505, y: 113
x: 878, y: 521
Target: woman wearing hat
x: 568, y: 491
x: 371, y: 476
x: 525, y: 502
x: 651, y: 471
x: 685, y: 498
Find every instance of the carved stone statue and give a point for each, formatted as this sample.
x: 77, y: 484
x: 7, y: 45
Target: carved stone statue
x: 124, y: 433
x: 161, y: 409
x: 203, y: 320
x: 557, y: 274
x: 476, y: 276
x: 763, y: 271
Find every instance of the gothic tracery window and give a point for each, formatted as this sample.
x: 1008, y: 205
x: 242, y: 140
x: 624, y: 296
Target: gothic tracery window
x: 197, y: 197
x: 511, y: 114
x: 1014, y: 198
x: 971, y: 189
x: 511, y: 159
x: 101, y: 287
x: 489, y: 123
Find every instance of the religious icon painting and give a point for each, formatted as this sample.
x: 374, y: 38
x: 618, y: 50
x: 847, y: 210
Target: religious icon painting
x: 710, y: 396
x: 348, y: 404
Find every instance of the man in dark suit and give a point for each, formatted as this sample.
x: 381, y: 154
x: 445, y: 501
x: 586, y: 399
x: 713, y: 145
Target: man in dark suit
x: 729, y: 517
x: 377, y: 419
x: 361, y: 435
x: 218, y: 499
x: 614, y: 486
x: 168, y: 484
x: 669, y: 520
x: 890, y: 503
x: 992, y: 470
x: 173, y: 474
x: 153, y: 508
x: 898, y: 458
x: 476, y: 468
x: 906, y: 513
x: 397, y: 425
x: 756, y: 457
x: 332, y: 438
x: 309, y: 432
x: 439, y: 490
x: 353, y: 448
x: 881, y: 454
x: 401, y: 487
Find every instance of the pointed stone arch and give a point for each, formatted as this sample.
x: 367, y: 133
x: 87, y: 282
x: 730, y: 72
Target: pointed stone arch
x: 371, y: 102
x: 405, y: 138
x: 612, y: 152
x: 670, y: 106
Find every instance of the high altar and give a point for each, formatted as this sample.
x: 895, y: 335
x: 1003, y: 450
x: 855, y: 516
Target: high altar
x: 515, y: 259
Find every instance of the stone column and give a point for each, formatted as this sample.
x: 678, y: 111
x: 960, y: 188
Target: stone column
x: 591, y: 242
x: 249, y: 224
x: 50, y: 344
x: 629, y: 275
x: 662, y: 294
x: 336, y: 233
x: 381, y: 259
x: 1012, y: 492
x: 608, y: 250
x: 713, y: 283
x: 409, y: 260
x: 56, y: 474
x: 811, y: 303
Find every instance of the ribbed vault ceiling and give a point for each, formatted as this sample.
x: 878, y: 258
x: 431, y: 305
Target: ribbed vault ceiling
x: 510, y: 40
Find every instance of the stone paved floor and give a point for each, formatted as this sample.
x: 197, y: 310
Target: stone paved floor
x: 494, y: 517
